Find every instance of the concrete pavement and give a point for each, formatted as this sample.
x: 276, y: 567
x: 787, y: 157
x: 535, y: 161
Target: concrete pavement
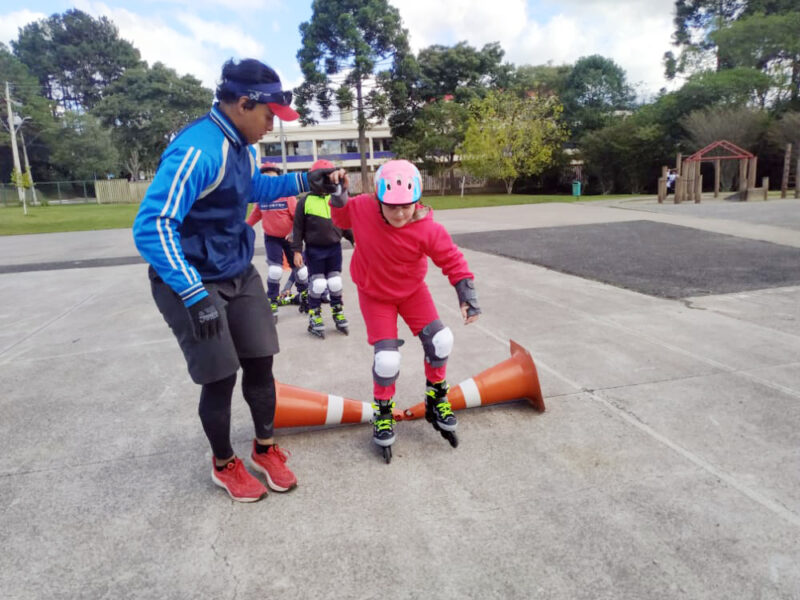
x: 666, y: 465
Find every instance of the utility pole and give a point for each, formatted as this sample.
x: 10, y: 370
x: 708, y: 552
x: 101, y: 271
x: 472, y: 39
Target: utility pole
x: 27, y: 164
x: 14, y: 151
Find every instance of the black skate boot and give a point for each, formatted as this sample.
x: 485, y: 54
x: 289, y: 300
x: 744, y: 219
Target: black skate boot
x: 303, y: 301
x: 315, y: 324
x: 287, y: 299
x: 383, y: 427
x: 273, y: 302
x: 439, y: 412
x: 337, y: 310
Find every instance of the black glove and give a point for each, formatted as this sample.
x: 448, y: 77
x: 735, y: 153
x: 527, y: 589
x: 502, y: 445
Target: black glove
x: 466, y: 295
x: 339, y: 197
x: 319, y: 182
x: 206, y: 322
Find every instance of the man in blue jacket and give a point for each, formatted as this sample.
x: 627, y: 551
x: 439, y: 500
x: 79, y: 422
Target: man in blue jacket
x: 191, y: 229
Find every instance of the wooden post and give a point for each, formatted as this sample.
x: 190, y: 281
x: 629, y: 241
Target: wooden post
x: 679, y: 183
x: 691, y: 181
x: 698, y: 190
x: 787, y: 165
x: 751, y: 177
x: 743, y: 178
x: 662, y: 185
x: 765, y: 186
x: 717, y: 171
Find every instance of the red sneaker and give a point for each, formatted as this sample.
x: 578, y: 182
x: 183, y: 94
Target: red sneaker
x: 238, y: 482
x: 273, y: 465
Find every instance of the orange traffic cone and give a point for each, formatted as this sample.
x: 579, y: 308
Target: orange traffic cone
x: 515, y: 377
x: 298, y: 407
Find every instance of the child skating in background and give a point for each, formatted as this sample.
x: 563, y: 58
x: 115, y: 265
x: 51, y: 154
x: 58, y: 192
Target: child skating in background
x: 277, y: 219
x: 313, y: 225
x: 396, y: 234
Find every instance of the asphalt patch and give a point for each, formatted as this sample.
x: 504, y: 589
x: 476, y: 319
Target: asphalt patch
x: 669, y: 261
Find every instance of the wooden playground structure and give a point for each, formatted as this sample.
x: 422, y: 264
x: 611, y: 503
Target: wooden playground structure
x: 688, y: 184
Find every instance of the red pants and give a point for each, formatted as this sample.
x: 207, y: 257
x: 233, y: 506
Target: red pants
x: 380, y: 318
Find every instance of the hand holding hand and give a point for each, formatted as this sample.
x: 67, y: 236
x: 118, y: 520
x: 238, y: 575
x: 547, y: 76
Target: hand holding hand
x: 324, y: 181
x: 298, y: 259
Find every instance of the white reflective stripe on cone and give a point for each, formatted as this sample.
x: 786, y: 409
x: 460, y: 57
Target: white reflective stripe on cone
x: 366, y: 412
x: 335, y: 410
x: 472, y: 395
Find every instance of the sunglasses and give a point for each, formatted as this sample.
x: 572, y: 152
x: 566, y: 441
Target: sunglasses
x: 284, y: 98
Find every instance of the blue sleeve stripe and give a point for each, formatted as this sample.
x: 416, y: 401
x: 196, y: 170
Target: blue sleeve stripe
x: 192, y: 291
x: 221, y: 175
x: 163, y: 222
x: 301, y: 182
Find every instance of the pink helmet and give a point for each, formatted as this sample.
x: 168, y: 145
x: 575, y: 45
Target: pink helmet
x: 398, y: 182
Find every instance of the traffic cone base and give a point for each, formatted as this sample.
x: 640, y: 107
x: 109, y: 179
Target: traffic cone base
x: 515, y: 377
x: 299, y: 407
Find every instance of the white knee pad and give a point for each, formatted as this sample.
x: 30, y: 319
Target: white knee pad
x: 318, y: 285
x: 302, y: 274
x: 274, y: 273
x: 387, y: 366
x: 335, y: 284
x: 443, y: 342
x: 437, y: 343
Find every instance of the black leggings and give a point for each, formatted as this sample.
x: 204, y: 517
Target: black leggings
x: 258, y: 389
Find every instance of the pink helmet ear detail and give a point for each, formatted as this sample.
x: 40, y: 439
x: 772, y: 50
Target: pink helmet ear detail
x: 398, y: 182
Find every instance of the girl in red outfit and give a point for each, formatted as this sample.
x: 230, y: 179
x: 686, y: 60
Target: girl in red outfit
x: 395, y: 235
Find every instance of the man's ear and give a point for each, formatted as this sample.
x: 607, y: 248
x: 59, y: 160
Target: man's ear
x: 241, y: 104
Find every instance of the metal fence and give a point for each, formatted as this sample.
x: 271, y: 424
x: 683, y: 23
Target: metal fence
x: 100, y: 191
x: 122, y: 191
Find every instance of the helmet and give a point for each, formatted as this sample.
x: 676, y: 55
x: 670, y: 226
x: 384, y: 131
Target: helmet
x: 322, y: 164
x: 267, y: 167
x: 398, y: 182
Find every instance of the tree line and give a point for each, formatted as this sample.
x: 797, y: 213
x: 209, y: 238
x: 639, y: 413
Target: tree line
x: 94, y: 107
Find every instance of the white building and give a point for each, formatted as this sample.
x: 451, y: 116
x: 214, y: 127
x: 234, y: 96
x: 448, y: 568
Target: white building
x: 336, y: 142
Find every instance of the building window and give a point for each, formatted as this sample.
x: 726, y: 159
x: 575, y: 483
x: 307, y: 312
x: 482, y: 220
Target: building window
x: 329, y: 147
x: 303, y: 148
x: 382, y: 144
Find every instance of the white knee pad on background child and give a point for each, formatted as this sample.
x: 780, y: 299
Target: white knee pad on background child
x: 335, y: 282
x: 302, y: 274
x: 318, y: 285
x: 274, y: 273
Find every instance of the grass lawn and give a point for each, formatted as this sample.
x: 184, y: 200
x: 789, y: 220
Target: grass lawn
x: 89, y: 217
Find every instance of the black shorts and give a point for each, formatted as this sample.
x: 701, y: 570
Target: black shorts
x: 248, y: 328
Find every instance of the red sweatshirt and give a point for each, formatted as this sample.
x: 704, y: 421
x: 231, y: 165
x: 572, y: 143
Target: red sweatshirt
x: 390, y: 263
x: 277, y: 217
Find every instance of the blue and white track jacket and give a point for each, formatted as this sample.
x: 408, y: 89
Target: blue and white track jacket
x: 191, y: 223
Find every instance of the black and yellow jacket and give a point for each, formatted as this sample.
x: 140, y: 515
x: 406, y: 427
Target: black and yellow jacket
x: 313, y: 225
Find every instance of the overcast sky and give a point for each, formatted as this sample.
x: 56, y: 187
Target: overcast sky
x: 197, y: 36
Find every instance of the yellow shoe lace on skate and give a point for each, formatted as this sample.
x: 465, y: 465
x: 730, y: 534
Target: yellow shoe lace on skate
x: 444, y: 408
x: 383, y: 421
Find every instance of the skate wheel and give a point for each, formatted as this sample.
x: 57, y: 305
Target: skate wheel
x: 387, y: 454
x: 451, y: 437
